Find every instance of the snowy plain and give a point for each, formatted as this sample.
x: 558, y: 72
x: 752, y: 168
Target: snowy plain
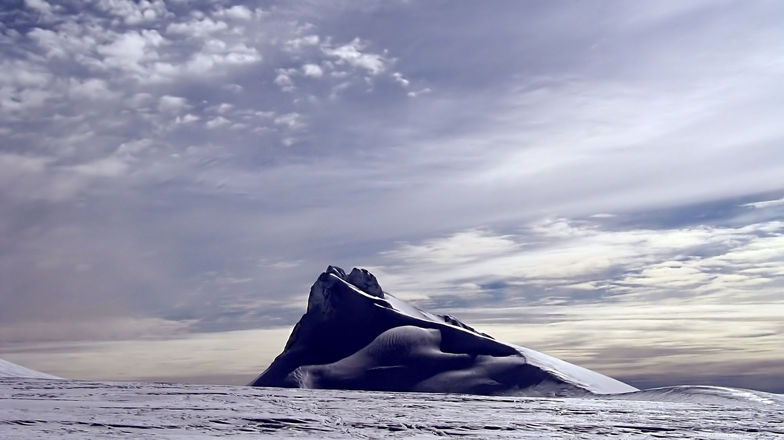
x: 39, y: 408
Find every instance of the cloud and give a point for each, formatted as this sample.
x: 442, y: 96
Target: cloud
x: 766, y: 204
x: 284, y: 81
x: 197, y: 27
x: 41, y: 6
x: 154, y: 153
x: 312, y: 70
x: 23, y: 164
x: 28, y: 178
x: 460, y: 248
x: 292, y: 121
x: 397, y: 76
x: 106, y: 167
x: 565, y: 258
x: 187, y: 119
x: 198, y: 358
x: 92, y: 89
x: 352, y: 54
x: 218, y: 121
x: 238, y: 12
x: 131, y: 49
x: 686, y: 291
x: 299, y: 43
x: 173, y: 104
x: 101, y: 328
x: 134, y: 13
x: 197, y: 45
x: 694, y: 345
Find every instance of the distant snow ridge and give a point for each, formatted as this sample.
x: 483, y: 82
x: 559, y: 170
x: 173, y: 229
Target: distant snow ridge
x: 356, y: 336
x: 8, y: 369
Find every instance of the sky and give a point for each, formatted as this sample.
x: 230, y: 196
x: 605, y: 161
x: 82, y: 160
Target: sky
x: 600, y: 181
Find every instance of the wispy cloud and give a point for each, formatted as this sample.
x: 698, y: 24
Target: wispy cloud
x: 691, y: 291
x: 198, y: 164
x: 558, y: 256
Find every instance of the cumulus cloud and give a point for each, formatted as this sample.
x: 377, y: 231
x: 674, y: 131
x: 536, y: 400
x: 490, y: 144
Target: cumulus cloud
x: 218, y: 121
x: 284, y: 81
x: 292, y: 121
x: 197, y: 27
x: 400, y: 79
x: 187, y: 119
x: 299, y: 43
x: 129, y: 50
x: 238, y: 12
x: 352, y: 54
x: 41, y: 6
x: 132, y: 12
x: 173, y: 104
x: 312, y: 70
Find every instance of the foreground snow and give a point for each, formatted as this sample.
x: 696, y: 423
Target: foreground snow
x: 357, y: 336
x: 34, y: 408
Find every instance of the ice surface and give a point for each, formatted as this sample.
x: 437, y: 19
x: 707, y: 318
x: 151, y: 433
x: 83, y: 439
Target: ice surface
x: 356, y: 336
x: 32, y: 409
x: 9, y: 369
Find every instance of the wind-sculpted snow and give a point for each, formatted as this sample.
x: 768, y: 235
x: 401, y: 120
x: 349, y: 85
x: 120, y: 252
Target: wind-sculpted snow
x: 703, y: 394
x: 32, y: 409
x: 8, y: 369
x: 357, y: 336
x: 410, y: 358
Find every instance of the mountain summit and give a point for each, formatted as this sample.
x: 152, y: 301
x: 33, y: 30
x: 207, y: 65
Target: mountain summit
x: 355, y: 335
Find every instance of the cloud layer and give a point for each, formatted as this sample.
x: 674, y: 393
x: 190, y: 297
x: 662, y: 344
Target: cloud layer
x: 573, y: 173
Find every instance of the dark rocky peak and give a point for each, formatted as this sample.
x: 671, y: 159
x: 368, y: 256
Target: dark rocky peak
x: 340, y: 273
x: 365, y: 281
x: 362, y: 279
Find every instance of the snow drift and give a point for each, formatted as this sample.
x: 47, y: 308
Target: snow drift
x: 8, y: 369
x: 702, y: 394
x: 354, y: 335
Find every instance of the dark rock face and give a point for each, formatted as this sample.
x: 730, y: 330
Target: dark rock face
x: 365, y: 281
x: 352, y: 337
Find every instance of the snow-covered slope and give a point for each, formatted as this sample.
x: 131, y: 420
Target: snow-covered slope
x: 8, y: 369
x: 356, y: 336
x: 703, y: 394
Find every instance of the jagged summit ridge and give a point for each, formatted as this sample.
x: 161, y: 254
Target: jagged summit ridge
x: 360, y: 279
x: 365, y: 281
x: 355, y: 335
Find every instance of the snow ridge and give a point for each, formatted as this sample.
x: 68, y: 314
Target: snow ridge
x: 8, y: 369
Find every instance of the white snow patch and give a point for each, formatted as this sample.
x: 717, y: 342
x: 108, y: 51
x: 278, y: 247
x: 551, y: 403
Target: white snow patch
x: 8, y: 369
